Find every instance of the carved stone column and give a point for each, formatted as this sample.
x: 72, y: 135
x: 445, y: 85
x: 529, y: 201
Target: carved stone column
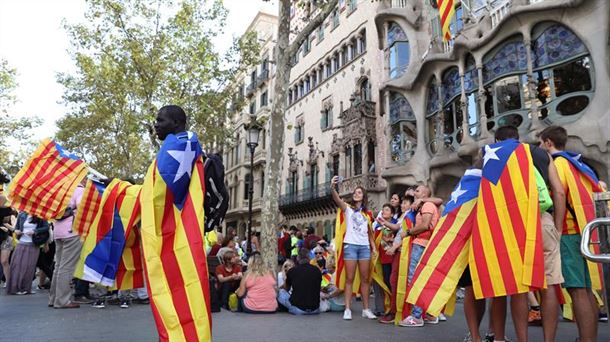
x: 466, y: 138
x: 532, y: 85
x: 481, y: 102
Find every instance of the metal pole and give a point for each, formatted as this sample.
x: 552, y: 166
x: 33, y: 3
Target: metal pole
x: 250, y: 193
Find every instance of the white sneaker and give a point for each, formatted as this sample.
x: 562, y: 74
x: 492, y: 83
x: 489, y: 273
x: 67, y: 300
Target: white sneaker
x: 347, y: 314
x: 442, y: 318
x: 367, y: 313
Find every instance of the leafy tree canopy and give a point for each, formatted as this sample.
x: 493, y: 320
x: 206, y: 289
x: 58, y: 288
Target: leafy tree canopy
x: 134, y: 56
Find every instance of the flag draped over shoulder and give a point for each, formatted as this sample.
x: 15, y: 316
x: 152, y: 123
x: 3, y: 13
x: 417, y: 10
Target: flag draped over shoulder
x: 173, y: 241
x: 507, y: 256
x: 581, y: 183
x: 402, y: 283
x: 446, y: 256
x: 44, y: 185
x: 377, y: 270
x: 105, y: 257
x: 340, y: 230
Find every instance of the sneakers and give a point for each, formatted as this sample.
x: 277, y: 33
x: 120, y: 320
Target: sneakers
x: 431, y: 320
x: 442, y: 318
x: 82, y: 300
x: 347, y: 315
x: 21, y: 293
x: 468, y: 337
x: 534, y: 317
x: 124, y: 304
x: 489, y: 337
x: 99, y: 304
x: 367, y: 313
x: 603, y: 317
x: 411, y: 322
x: 387, y: 319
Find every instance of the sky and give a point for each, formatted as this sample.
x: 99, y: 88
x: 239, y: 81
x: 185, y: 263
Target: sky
x: 33, y: 41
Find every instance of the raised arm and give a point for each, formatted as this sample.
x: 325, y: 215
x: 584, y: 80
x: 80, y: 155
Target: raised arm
x: 333, y: 190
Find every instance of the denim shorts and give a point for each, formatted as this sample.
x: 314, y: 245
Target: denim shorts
x: 356, y: 252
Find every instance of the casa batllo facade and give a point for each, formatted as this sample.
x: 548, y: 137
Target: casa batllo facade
x: 526, y: 63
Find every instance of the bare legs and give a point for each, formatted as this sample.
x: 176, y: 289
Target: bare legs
x: 365, y: 285
x: 474, y: 310
x: 585, y: 313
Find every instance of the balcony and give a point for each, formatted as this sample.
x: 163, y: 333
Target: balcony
x: 499, y: 12
x: 262, y: 78
x: 307, y: 195
x: 250, y: 89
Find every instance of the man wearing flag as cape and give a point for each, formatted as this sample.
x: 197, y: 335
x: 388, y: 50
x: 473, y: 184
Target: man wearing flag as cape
x: 579, y: 183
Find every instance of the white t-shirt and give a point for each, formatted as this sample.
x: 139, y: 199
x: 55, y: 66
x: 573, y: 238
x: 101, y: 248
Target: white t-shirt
x: 27, y: 227
x: 357, y: 232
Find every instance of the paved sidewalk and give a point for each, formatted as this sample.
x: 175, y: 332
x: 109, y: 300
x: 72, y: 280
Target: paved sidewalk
x: 27, y: 318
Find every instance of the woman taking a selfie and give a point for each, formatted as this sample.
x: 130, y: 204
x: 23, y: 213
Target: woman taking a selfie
x: 355, y: 244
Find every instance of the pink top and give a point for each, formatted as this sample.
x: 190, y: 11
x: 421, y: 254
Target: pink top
x: 63, y: 229
x: 260, y: 293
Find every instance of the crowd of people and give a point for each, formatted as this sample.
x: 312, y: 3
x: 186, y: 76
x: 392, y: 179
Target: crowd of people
x: 318, y: 275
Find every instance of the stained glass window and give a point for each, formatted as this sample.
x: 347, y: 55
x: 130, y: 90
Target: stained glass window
x: 451, y: 84
x: 400, y: 109
x: 556, y: 44
x: 432, y: 104
x: 403, y: 128
x: 510, y: 58
x: 399, y: 50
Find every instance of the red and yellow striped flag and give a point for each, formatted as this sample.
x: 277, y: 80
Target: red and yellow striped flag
x: 44, y: 185
x: 402, y: 283
x: 88, y: 208
x: 130, y: 272
x: 507, y: 256
x: 446, y: 12
x: 173, y: 241
x: 446, y: 256
x: 377, y: 271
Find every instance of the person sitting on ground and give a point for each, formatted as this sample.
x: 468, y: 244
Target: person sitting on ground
x: 331, y: 297
x: 229, y: 276
x: 228, y: 245
x: 305, y: 282
x: 318, y: 259
x: 281, y: 276
x: 257, y: 288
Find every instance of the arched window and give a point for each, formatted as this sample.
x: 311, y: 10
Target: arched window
x: 365, y: 89
x: 453, y: 116
x: 399, y: 50
x: 403, y: 126
x: 505, y: 81
x: 563, y: 70
x: 432, y: 108
x: 471, y: 86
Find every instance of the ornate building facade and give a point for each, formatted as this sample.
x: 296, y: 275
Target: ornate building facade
x: 333, y: 125
x: 254, y: 98
x: 529, y: 63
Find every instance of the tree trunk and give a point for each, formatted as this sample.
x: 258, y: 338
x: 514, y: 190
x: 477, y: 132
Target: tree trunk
x: 275, y: 152
x: 284, y: 50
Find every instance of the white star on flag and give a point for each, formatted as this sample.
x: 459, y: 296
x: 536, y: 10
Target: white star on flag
x: 490, y: 153
x: 185, y: 158
x: 457, y: 193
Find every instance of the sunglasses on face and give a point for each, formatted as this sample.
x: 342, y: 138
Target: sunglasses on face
x: 319, y: 253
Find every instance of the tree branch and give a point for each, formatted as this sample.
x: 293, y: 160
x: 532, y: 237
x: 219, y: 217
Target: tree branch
x: 310, y: 27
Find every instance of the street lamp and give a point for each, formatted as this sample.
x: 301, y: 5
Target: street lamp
x: 253, y: 129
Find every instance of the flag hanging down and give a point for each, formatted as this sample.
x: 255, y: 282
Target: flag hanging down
x: 446, y: 11
x: 88, y: 208
x: 377, y: 271
x: 44, y: 185
x: 105, y: 259
x: 506, y: 247
x: 446, y: 256
x: 173, y: 241
x: 402, y: 282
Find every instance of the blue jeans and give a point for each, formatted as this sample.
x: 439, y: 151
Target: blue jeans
x: 416, y: 253
x: 283, y: 298
x: 356, y: 252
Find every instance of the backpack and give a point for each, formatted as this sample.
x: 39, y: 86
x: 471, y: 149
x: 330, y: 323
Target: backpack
x: 216, y: 202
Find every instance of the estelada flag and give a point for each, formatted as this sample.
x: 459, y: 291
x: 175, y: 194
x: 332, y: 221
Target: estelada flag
x: 105, y: 258
x: 340, y: 272
x: 506, y: 247
x: 446, y: 256
x: 402, y: 282
x: 581, y: 183
x: 377, y: 270
x: 44, y: 185
x: 88, y: 208
x: 173, y: 241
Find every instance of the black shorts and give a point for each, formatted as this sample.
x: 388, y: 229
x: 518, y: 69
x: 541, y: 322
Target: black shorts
x: 465, y: 279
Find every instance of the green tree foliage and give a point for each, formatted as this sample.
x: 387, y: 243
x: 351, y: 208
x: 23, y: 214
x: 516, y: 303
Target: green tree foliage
x: 134, y: 56
x: 18, y: 129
